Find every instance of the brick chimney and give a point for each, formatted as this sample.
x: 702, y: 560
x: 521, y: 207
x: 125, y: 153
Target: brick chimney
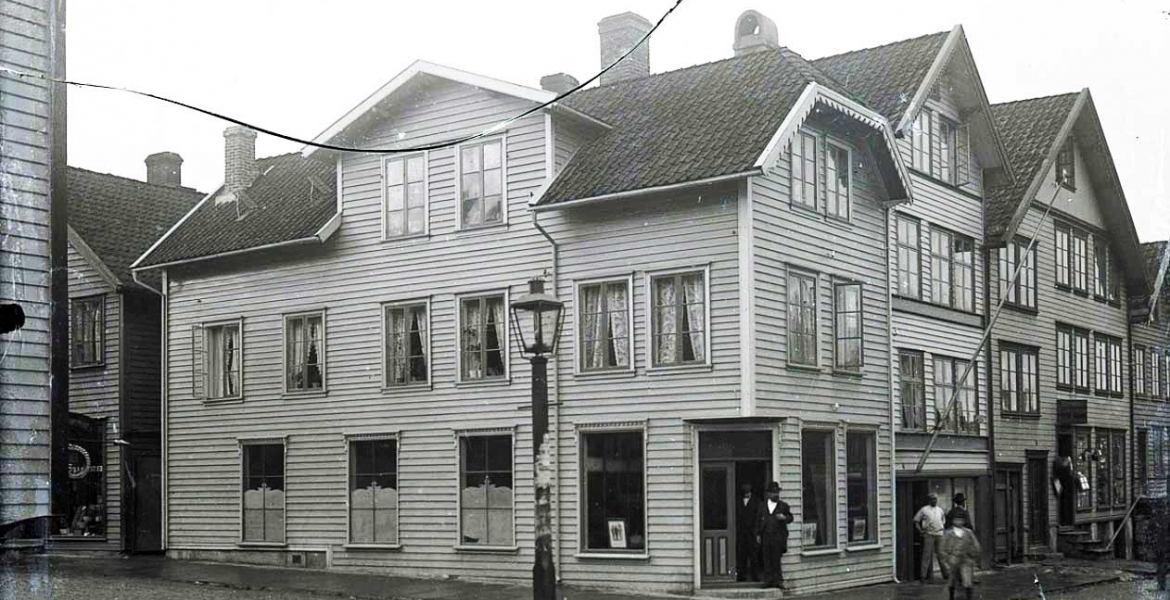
x: 239, y: 160
x: 618, y: 34
x: 755, y: 33
x: 558, y: 83
x: 164, y: 168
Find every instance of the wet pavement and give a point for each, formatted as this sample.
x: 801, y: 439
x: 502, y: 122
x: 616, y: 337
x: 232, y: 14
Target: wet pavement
x: 91, y: 578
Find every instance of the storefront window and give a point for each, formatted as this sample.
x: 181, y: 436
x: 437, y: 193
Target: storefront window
x: 85, y: 515
x: 1081, y: 469
x: 819, y: 489
x: 861, y: 486
x: 264, y: 493
x: 373, y: 491
x: 486, y: 501
x: 614, y: 491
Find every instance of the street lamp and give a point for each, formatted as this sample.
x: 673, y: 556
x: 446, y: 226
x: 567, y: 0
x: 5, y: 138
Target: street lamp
x: 538, y: 317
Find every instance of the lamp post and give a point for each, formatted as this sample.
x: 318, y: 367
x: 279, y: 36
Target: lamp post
x: 538, y: 317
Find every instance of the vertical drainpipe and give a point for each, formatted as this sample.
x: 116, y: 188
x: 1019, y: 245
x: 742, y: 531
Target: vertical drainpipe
x: 893, y: 416
x: 1132, y: 429
x: 164, y: 374
x: 990, y: 402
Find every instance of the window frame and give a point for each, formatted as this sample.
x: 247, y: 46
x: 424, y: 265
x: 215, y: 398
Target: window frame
x: 241, y: 445
x: 917, y: 250
x: 1157, y: 380
x: 581, y: 431
x: 1062, y: 253
x: 579, y: 339
x: 204, y: 358
x: 837, y: 336
x: 1140, y: 366
x: 832, y: 484
x: 1083, y: 500
x: 953, y: 267
x: 831, y: 187
x: 874, y: 518
x: 652, y: 344
x: 426, y: 181
x: 408, y: 304
x: 350, y: 440
x: 921, y: 382
x: 100, y: 329
x: 1065, y: 357
x: 505, y: 343
x: 923, y: 142
x: 1079, y: 261
x: 1105, y: 284
x: 1079, y: 335
x: 1015, y: 289
x: 799, y: 273
x: 795, y: 198
x: 972, y: 384
x: 1067, y: 157
x: 948, y: 136
x: 502, y: 138
x: 1020, y: 351
x: 285, y: 318
x: 459, y: 435
x: 1141, y: 461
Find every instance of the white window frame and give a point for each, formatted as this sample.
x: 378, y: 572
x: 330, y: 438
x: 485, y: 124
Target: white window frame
x: 284, y: 320
x: 875, y: 431
x: 796, y: 196
x: 794, y: 270
x: 833, y: 429
x: 648, y: 300
x: 204, y: 357
x: 459, y: 434
x: 923, y: 140
x: 350, y: 438
x: 838, y: 283
x: 384, y: 308
x: 100, y: 350
x: 241, y: 473
x: 503, y: 139
x: 833, y: 143
x: 426, y: 156
x: 459, y: 298
x: 577, y: 337
x: 580, y: 431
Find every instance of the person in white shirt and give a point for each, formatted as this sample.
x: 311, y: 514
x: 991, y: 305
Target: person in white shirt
x: 929, y: 523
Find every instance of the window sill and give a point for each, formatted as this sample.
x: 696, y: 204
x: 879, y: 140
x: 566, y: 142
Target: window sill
x: 262, y: 544
x: 473, y: 231
x: 299, y: 395
x: 603, y: 374
x: 820, y: 552
x: 803, y: 368
x: 847, y: 373
x: 471, y: 383
x: 807, y: 211
x: 384, y: 547
x: 414, y: 237
x: 1020, y: 308
x: 612, y: 555
x: 87, y: 366
x: 236, y: 400
x: 1020, y: 415
x: 407, y: 388
x: 666, y: 370
x: 101, y: 539
x: 489, y: 549
x: 864, y: 547
x: 954, y: 187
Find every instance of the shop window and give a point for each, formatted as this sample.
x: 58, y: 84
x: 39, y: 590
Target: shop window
x: 861, y: 486
x: 819, y: 486
x: 85, y: 512
x: 263, y: 493
x: 614, y: 491
x: 486, y: 503
x: 373, y: 491
x: 1082, y: 460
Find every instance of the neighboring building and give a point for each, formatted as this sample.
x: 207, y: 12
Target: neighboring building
x: 1061, y: 432
x: 930, y: 89
x: 114, y: 425
x: 26, y: 158
x: 1151, y: 392
x: 340, y: 389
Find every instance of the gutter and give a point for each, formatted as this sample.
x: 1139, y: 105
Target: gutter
x: 323, y: 234
x: 556, y: 402
x: 646, y: 191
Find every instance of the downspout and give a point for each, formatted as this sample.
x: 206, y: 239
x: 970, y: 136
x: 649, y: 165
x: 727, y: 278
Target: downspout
x: 556, y: 404
x: 1133, y: 484
x: 990, y: 401
x: 124, y: 463
x: 893, y: 415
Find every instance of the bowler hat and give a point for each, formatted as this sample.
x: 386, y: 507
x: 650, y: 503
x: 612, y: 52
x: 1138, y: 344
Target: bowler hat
x: 959, y: 498
x: 773, y: 487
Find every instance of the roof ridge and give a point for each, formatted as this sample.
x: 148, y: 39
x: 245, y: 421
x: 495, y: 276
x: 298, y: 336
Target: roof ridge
x: 137, y: 181
x: 882, y: 46
x: 1022, y: 100
x: 613, y: 84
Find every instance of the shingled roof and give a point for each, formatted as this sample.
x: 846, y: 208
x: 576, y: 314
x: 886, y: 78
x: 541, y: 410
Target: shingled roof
x: 119, y: 218
x: 886, y: 77
x: 292, y: 199
x: 686, y: 125
x: 1029, y: 129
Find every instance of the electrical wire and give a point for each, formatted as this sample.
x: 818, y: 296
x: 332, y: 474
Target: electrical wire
x: 324, y: 146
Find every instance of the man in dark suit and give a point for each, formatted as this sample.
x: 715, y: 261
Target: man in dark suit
x: 747, y: 512
x: 772, y: 534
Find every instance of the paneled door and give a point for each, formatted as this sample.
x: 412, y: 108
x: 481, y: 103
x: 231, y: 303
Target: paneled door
x: 717, y: 503
x: 1038, y: 501
x: 1009, y: 527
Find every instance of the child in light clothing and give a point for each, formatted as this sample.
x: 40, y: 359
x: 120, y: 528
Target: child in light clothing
x: 960, y: 551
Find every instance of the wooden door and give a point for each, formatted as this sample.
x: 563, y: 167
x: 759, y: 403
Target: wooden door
x: 717, y: 505
x: 1038, y: 501
x: 147, y: 504
x: 1008, y: 516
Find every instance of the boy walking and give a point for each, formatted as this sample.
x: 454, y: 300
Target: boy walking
x: 960, y: 551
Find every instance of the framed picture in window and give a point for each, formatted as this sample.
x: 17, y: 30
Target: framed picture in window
x: 617, y: 532
x: 859, y: 531
x: 810, y: 534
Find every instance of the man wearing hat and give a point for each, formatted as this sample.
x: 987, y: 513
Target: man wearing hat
x: 929, y: 523
x: 746, y: 552
x: 959, y: 509
x: 772, y: 534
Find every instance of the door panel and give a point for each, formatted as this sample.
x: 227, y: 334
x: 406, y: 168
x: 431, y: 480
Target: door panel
x: 716, y: 493
x: 1008, y: 516
x: 1038, y: 501
x: 147, y: 504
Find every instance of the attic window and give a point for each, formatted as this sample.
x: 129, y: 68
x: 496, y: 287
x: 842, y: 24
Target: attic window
x: 1066, y: 164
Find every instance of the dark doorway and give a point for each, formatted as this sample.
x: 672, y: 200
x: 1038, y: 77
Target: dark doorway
x: 729, y: 462
x: 1067, y: 497
x: 1038, y: 500
x: 147, y: 503
x: 912, y: 495
x: 1009, y: 527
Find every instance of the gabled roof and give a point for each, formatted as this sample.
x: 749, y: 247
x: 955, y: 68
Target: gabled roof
x: 293, y: 199
x: 701, y: 123
x: 116, y: 218
x: 1035, y: 130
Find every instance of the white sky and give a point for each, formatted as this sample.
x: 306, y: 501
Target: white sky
x: 295, y: 66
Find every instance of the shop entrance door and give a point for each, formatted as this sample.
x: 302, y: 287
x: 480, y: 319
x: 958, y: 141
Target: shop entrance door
x: 735, y: 467
x: 717, y: 491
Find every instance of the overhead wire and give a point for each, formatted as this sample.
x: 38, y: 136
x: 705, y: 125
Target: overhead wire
x: 326, y: 146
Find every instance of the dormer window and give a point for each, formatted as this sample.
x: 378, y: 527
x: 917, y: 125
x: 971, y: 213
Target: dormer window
x: 1066, y: 165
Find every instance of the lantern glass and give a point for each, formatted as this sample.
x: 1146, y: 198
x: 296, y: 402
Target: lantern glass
x: 537, y: 317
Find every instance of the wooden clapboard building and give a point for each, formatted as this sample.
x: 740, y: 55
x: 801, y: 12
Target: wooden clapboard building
x: 340, y: 386
x: 112, y: 494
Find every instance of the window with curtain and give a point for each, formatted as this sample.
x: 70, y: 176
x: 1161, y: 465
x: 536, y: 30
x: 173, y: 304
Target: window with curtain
x: 1066, y: 165
x: 604, y: 326
x: 804, y: 170
x: 406, y: 195
x: 861, y: 486
x: 486, y: 491
x: 263, y: 493
x: 88, y: 331
x: 221, y: 361
x: 964, y: 416
x: 909, y: 258
x: 373, y: 491
x: 679, y: 320
x: 1022, y: 291
x: 614, y: 493
x: 802, y: 318
x: 1063, y: 250
x: 819, y: 489
x: 837, y: 180
x: 407, y: 344
x: 305, y: 352
x: 922, y: 142
x: 848, y: 326
x: 483, y: 338
x: 1019, y: 384
x: 913, y: 388
x: 481, y: 183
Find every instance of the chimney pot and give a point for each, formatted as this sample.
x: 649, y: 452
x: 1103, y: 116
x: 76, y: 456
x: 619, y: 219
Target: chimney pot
x: 755, y: 33
x: 164, y: 168
x: 618, y: 34
x: 239, y: 160
x: 558, y: 83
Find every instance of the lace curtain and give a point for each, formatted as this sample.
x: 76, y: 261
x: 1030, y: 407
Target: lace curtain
x: 696, y: 312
